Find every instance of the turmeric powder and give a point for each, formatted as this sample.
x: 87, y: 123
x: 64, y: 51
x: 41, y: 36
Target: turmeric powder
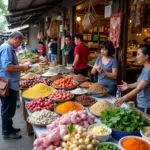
x: 135, y: 144
x: 37, y: 91
x: 68, y: 106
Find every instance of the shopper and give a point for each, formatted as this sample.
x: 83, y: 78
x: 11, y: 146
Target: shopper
x: 81, y: 53
x: 107, y: 67
x: 49, y: 49
x: 42, y: 48
x: 141, y: 88
x: 10, y: 69
x: 54, y: 49
x: 70, y: 50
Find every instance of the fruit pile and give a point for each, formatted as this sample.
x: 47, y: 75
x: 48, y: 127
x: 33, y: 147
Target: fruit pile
x: 40, y: 104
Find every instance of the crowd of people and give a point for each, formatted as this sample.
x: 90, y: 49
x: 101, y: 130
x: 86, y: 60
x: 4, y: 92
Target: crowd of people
x: 77, y: 54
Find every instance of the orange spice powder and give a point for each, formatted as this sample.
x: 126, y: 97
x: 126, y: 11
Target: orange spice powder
x: 135, y: 144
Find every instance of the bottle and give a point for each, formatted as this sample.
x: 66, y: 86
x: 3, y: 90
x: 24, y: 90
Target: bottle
x: 118, y: 93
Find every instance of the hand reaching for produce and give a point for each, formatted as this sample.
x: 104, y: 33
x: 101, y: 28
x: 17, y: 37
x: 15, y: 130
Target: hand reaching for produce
x: 124, y: 86
x: 119, y: 102
x: 99, y: 69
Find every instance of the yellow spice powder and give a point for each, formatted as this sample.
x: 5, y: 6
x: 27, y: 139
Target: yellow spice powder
x: 37, y: 91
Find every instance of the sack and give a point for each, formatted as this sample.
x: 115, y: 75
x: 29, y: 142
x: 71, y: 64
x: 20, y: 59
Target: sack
x: 4, y: 87
x: 90, y: 19
x: 53, y: 30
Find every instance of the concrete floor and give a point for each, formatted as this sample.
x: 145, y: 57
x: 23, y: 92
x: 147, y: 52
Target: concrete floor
x: 26, y: 143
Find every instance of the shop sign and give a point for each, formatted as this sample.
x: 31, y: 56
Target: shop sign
x: 107, y: 11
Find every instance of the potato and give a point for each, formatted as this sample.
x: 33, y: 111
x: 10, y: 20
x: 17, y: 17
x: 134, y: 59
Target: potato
x: 84, y: 134
x: 76, y: 142
x: 94, y: 142
x: 89, y: 147
x: 77, y: 136
x: 87, y: 141
x: 82, y: 147
x: 66, y: 137
x: 79, y: 130
x: 69, y: 143
x: 64, y: 144
x: 59, y: 148
x: 81, y: 141
x: 72, y: 146
x: 76, y: 148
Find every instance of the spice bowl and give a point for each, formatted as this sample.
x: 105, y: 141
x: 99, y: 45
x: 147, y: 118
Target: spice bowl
x: 108, y: 143
x: 128, y: 137
x: 95, y: 130
x: 142, y: 133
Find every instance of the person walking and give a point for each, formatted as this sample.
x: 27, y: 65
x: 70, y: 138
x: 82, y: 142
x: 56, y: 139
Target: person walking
x: 69, y: 50
x: 53, y: 48
x: 10, y: 69
x: 81, y: 53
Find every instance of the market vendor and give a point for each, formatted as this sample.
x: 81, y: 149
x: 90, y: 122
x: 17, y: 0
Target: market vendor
x: 10, y: 69
x: 69, y: 50
x: 107, y: 67
x: 42, y: 48
x: 141, y: 88
x: 81, y: 53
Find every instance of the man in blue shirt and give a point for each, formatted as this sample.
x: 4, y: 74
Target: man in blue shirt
x: 10, y: 69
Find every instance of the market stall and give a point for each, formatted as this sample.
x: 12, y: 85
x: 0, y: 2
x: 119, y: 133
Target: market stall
x: 59, y: 104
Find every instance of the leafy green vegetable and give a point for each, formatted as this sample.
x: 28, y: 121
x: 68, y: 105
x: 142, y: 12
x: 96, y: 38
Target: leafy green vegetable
x: 123, y: 119
x: 70, y: 128
x: 108, y: 147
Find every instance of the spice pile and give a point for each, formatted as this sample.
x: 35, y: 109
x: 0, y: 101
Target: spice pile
x: 30, y: 75
x: 61, y: 95
x: 135, y: 144
x: 86, y: 84
x: 79, y: 91
x: 97, y: 88
x: 58, y: 129
x: 99, y: 107
x: 85, y: 100
x: 56, y: 77
x: 79, y: 77
x: 40, y: 104
x: 37, y: 91
x: 59, y: 69
x: 42, y: 118
x: 64, y: 83
x: 67, y: 107
x: 31, y: 82
x: 146, y: 132
x: 48, y: 74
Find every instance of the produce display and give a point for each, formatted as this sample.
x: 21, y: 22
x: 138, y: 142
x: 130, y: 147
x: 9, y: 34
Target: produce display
x: 56, y: 77
x: 69, y: 76
x: 79, y: 78
x: 97, y: 88
x: 54, y: 63
x: 122, y: 119
x: 59, y: 69
x: 79, y: 91
x: 134, y: 143
x: 40, y: 104
x: 146, y: 132
x: 92, y: 62
x: 58, y: 129
x: 108, y: 146
x: 79, y: 139
x: 64, y: 83
x: 100, y: 106
x: 37, y: 70
x: 31, y: 82
x: 61, y: 95
x: 99, y: 130
x: 30, y: 75
x: 86, y: 84
x: 42, y: 118
x: 37, y: 91
x: 85, y: 100
x: 67, y: 107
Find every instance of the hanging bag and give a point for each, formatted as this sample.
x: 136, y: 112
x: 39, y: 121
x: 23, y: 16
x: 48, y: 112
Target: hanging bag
x: 91, y: 18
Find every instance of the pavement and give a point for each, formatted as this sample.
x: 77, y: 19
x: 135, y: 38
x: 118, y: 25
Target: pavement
x: 26, y: 143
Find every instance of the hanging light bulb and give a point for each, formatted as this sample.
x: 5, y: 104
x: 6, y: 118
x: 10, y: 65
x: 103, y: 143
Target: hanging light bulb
x: 130, y: 21
x: 78, y: 19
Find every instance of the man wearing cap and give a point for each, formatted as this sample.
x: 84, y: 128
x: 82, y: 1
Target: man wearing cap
x: 10, y: 69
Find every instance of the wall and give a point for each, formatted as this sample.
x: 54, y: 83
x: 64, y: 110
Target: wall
x: 33, y: 41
